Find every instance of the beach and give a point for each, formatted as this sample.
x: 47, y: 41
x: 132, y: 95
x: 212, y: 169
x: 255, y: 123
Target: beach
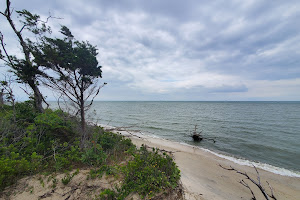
x: 203, y: 178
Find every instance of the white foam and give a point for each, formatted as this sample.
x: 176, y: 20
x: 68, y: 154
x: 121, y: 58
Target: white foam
x: 264, y: 166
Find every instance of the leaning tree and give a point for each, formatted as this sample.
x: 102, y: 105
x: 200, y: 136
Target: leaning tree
x: 75, y: 71
x: 24, y: 68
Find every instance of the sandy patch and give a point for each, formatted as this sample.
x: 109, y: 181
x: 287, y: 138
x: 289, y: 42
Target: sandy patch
x: 51, y: 187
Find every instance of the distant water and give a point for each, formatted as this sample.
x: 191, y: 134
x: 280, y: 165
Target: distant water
x: 264, y: 132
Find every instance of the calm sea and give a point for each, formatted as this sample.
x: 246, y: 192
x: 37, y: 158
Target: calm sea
x: 264, y: 132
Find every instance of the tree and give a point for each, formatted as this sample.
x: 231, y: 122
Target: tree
x: 25, y: 69
x: 76, y: 70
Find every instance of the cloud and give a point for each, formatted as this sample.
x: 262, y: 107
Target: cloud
x: 158, y: 49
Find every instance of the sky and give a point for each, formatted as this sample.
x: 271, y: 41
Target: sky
x: 174, y: 50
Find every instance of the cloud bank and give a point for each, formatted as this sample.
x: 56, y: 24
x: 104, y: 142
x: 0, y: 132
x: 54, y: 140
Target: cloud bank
x: 187, y: 50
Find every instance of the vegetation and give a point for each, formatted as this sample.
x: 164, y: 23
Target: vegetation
x: 74, y: 63
x: 76, y: 68
x: 24, y: 68
x: 35, y: 143
x: 34, y: 140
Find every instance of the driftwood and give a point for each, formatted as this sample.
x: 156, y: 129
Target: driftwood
x: 257, y: 183
x: 197, y: 137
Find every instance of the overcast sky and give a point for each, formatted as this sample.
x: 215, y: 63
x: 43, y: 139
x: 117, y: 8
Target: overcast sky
x: 183, y: 50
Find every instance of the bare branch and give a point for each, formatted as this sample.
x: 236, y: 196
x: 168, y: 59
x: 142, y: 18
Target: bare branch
x: 258, y: 184
x: 22, y: 28
x: 5, y: 51
x: 272, y: 194
x: 96, y: 94
x: 247, y: 186
x: 26, y: 91
x: 258, y: 178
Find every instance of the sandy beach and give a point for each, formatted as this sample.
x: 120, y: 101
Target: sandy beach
x: 203, y: 178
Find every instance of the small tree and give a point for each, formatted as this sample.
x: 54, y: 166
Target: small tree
x: 25, y: 69
x: 76, y: 71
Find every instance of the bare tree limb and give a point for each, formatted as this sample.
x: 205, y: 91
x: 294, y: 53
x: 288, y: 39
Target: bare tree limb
x: 272, y: 194
x: 257, y: 183
x: 247, y: 186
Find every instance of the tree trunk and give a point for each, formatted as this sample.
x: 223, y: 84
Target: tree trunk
x: 82, y: 117
x: 38, y: 97
x: 1, y: 98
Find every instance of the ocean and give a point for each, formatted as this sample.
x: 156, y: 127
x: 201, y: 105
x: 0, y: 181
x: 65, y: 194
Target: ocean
x: 265, y: 133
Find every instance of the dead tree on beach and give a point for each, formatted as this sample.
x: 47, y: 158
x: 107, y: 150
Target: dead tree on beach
x: 197, y: 137
x: 257, y: 183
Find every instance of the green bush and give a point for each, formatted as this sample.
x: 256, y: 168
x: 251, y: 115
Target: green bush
x: 25, y: 113
x: 11, y: 168
x: 109, y: 170
x: 94, y: 156
x: 149, y: 173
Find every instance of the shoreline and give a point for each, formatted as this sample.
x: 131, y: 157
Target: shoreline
x: 203, y: 178
x: 238, y: 160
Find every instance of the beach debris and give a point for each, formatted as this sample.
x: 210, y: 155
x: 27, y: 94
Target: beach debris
x: 197, y: 137
x: 257, y: 183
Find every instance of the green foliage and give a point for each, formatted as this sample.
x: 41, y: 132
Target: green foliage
x: 147, y: 174
x: 35, y: 142
x: 150, y: 173
x: 22, y: 66
x: 49, y: 142
x: 55, y: 124
x: 25, y: 113
x: 32, y: 22
x: 65, y: 180
x: 52, y: 120
x: 54, y: 182
x: 108, y: 194
x: 12, y: 166
x: 94, y: 156
x: 109, y: 170
x: 112, y: 143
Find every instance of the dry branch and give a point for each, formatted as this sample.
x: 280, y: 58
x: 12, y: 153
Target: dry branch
x: 257, y: 183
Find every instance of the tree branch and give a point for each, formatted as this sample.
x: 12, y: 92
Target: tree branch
x: 272, y: 194
x: 5, y: 51
x: 258, y: 184
x: 247, y: 186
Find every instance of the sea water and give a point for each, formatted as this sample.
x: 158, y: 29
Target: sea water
x: 267, y: 133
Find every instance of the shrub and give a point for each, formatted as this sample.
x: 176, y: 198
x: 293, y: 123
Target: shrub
x: 25, y: 113
x: 109, y: 170
x: 65, y: 180
x: 11, y: 168
x: 150, y: 173
x: 94, y: 156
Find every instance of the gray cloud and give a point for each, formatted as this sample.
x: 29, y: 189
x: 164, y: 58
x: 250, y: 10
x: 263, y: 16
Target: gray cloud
x: 153, y: 50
